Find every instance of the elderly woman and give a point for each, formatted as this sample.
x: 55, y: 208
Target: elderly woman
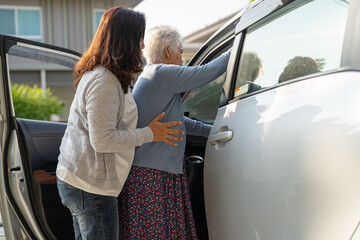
x: 155, y: 201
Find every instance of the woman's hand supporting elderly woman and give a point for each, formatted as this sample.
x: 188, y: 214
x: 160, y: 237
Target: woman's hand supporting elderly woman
x: 162, y: 131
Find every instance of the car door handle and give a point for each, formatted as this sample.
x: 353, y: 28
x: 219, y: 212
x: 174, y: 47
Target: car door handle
x: 221, y: 137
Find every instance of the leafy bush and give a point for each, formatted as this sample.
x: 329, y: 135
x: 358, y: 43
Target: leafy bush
x: 30, y: 102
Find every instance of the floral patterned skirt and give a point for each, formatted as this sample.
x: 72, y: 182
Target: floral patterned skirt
x: 155, y: 205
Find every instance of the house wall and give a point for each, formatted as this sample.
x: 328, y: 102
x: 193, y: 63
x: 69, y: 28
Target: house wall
x: 68, y: 23
x: 29, y: 3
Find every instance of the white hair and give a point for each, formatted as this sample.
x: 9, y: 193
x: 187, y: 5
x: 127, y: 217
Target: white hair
x: 157, y: 39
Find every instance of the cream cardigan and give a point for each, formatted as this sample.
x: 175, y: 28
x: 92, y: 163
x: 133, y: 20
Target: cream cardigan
x: 93, y: 137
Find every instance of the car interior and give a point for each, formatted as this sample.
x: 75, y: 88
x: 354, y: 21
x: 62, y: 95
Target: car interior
x: 40, y: 142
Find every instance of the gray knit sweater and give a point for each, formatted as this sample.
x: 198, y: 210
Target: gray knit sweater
x: 92, y: 135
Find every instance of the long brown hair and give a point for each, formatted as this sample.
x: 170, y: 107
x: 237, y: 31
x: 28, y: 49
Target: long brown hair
x: 115, y: 46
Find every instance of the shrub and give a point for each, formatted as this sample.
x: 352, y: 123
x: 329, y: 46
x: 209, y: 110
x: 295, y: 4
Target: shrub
x: 30, y: 102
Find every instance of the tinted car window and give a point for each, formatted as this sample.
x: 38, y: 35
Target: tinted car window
x: 202, y: 103
x: 306, y: 37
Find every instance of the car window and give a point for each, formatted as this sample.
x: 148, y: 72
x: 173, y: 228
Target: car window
x: 304, y: 38
x: 202, y: 103
x: 41, y: 82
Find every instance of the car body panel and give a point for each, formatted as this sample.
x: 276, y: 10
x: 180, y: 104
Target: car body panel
x: 292, y: 167
x: 283, y: 162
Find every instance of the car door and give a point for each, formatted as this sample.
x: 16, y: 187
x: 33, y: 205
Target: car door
x: 282, y: 162
x: 30, y: 205
x: 202, y: 104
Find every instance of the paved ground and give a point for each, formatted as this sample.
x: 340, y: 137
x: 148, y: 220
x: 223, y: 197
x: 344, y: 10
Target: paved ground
x: 2, y: 234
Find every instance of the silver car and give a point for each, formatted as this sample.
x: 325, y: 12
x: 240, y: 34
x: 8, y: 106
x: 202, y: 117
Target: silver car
x: 282, y: 161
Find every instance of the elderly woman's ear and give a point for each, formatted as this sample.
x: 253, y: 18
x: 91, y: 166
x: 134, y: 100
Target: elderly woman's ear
x: 167, y: 51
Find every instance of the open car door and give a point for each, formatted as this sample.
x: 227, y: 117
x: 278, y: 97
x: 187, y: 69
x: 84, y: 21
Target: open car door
x: 30, y: 205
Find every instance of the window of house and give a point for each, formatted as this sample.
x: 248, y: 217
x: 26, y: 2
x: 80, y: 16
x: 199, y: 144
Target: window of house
x: 97, y: 16
x: 202, y: 103
x: 303, y: 38
x: 21, y: 22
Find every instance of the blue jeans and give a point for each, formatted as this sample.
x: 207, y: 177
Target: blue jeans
x: 94, y: 216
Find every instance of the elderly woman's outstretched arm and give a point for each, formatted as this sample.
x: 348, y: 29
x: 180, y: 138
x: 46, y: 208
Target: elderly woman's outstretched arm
x: 178, y: 79
x: 196, y: 128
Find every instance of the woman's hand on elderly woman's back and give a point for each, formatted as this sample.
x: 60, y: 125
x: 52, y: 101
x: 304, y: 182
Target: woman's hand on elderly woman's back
x: 162, y: 131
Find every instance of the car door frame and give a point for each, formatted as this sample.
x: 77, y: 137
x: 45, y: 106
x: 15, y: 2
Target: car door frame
x: 196, y: 145
x: 19, y: 216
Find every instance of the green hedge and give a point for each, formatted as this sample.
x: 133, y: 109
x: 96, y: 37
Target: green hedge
x: 30, y: 102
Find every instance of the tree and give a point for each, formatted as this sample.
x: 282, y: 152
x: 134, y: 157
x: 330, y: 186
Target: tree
x: 32, y: 103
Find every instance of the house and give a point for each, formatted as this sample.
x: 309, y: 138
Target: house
x: 193, y: 41
x: 65, y: 23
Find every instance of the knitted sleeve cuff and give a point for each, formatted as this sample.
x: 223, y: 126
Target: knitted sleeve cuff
x: 148, y: 135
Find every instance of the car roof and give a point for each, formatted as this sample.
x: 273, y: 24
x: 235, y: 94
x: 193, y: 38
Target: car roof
x: 258, y: 10
x: 249, y: 14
